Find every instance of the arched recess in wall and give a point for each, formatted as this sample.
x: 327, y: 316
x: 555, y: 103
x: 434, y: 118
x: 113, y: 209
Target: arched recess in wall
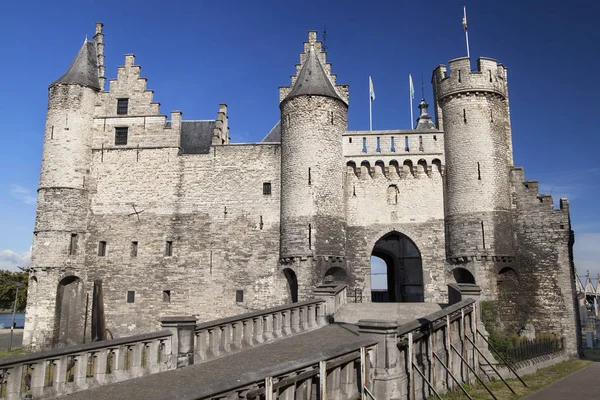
x: 70, y: 312
x: 392, y: 194
x: 462, y: 275
x: 365, y: 169
x: 379, y: 168
x: 336, y: 275
x: 422, y: 166
x: 394, y: 167
x: 407, y: 169
x: 437, y: 164
x: 403, y: 269
x: 292, y: 282
x: 351, y: 167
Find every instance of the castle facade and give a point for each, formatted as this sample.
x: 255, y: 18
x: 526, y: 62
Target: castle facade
x: 169, y: 217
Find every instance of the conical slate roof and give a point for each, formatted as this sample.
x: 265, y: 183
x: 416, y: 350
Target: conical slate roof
x: 424, y: 121
x: 84, y: 68
x: 313, y: 79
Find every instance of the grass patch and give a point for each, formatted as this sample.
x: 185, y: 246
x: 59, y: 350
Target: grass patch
x: 15, y: 352
x: 542, y: 378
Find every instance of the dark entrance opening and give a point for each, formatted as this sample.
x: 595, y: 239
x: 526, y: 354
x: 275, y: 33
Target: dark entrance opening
x: 292, y: 284
x: 403, y: 270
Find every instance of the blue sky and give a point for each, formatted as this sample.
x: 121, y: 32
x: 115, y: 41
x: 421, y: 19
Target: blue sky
x: 197, y: 54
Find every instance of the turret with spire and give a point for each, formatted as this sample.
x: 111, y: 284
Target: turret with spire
x: 314, y: 112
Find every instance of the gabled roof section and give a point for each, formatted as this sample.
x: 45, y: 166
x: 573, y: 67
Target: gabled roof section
x: 84, y: 68
x: 313, y: 75
x: 313, y: 80
x: 578, y: 285
x: 274, y: 135
x: 196, y: 136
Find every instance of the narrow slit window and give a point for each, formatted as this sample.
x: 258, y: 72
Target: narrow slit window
x: 491, y: 75
x: 483, y: 234
x: 379, y: 145
x: 102, y: 248
x: 166, y: 296
x: 364, y: 147
x: 393, y: 146
x: 239, y: 296
x: 169, y: 248
x: 131, y: 296
x: 421, y: 143
x: 267, y: 188
x: 464, y: 115
x: 406, y: 148
x: 491, y: 116
x: 309, y: 236
x: 122, y: 106
x: 331, y: 117
x: 459, y: 76
x: 309, y: 177
x: 478, y: 171
x: 134, y: 249
x: 121, y: 136
x: 349, y: 140
x: 73, y: 244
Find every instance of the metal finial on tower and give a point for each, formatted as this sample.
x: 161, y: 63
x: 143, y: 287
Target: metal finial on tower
x: 325, y: 38
x: 86, y: 39
x: 422, y: 87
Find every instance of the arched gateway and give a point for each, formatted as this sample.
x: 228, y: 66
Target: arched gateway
x: 402, y: 278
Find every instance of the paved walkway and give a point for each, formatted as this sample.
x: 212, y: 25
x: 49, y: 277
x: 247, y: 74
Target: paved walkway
x: 5, y: 338
x: 202, y: 380
x: 582, y: 385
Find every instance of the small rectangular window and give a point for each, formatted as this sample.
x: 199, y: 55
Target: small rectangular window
x: 266, y: 188
x: 406, y: 148
x: 73, y: 244
x: 131, y: 296
x: 134, y: 249
x: 349, y: 140
x: 122, y: 106
x: 169, y: 248
x: 421, y: 143
x: 239, y: 296
x: 364, y: 148
x: 393, y: 147
x: 379, y: 145
x: 166, y: 296
x: 121, y: 136
x: 102, y: 248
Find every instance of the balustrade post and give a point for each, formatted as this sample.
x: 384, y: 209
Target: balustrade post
x: 386, y: 361
x: 295, y: 320
x: 286, y: 322
x: 277, y: 325
x: 201, y: 345
x: 348, y: 377
x: 257, y: 330
x: 237, y: 332
x: 13, y: 385
x: 101, y: 361
x: 37, y: 379
x: 267, y: 324
x: 248, y: 338
x: 309, y: 317
x: 182, y: 338
x: 321, y: 318
x: 225, y: 344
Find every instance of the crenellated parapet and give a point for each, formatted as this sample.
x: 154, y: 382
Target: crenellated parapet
x: 488, y: 79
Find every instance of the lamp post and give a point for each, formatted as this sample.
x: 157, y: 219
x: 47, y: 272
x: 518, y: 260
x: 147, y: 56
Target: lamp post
x: 12, y: 325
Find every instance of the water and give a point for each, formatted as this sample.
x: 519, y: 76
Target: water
x: 6, y: 318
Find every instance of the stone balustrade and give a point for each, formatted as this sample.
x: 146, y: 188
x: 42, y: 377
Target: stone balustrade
x: 229, y: 335
x: 65, y: 370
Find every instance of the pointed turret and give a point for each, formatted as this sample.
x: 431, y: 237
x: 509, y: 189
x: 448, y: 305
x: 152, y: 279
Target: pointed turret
x: 424, y: 121
x: 84, y: 68
x: 313, y: 80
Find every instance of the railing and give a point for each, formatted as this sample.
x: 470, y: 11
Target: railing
x: 65, y: 370
x: 229, y: 335
x: 534, y: 348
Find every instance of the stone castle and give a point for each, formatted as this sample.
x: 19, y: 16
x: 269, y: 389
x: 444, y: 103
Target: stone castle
x: 169, y: 217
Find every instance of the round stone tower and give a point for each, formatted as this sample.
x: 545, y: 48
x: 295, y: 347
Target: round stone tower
x: 314, y: 116
x: 472, y: 109
x: 62, y: 206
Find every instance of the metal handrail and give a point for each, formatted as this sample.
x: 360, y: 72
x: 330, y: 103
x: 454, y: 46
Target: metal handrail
x: 425, y: 379
x: 474, y: 373
x: 452, y: 375
x: 506, y: 362
x: 369, y: 393
x: 490, y: 364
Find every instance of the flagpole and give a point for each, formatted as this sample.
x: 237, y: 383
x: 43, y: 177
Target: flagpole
x: 410, y: 95
x: 466, y: 31
x: 370, y: 113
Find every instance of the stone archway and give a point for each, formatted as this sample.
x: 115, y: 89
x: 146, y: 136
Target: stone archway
x: 336, y: 274
x: 292, y: 281
x: 70, y: 312
x: 463, y: 275
x: 404, y: 269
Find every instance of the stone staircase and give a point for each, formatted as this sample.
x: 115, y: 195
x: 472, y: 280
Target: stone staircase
x: 401, y: 313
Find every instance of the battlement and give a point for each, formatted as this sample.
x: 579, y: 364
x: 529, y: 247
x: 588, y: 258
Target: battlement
x: 489, y: 78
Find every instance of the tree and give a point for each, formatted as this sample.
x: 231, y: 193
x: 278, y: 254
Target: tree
x: 8, y: 289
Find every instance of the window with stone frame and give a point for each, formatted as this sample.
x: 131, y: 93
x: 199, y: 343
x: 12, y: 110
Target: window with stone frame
x: 266, y: 188
x: 122, y: 106
x: 121, y: 136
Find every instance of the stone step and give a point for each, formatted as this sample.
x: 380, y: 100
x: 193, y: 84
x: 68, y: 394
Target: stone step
x: 351, y: 313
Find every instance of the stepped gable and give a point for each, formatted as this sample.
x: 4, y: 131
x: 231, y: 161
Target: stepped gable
x: 313, y: 79
x: 196, y: 136
x: 84, y: 68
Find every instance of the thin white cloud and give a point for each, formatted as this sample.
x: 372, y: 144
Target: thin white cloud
x: 22, y: 194
x: 10, y: 260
